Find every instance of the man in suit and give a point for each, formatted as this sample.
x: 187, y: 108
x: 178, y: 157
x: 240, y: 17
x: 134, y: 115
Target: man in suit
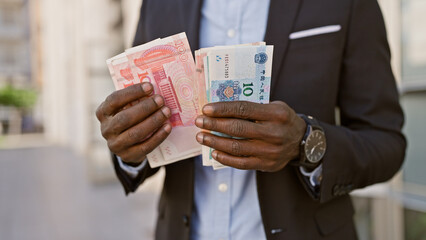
x: 297, y: 165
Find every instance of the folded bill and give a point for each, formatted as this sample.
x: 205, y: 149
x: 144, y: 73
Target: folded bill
x: 169, y: 66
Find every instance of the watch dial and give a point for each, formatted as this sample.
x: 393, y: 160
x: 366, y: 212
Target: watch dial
x: 315, y: 146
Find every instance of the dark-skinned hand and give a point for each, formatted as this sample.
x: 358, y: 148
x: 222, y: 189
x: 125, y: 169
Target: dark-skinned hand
x: 134, y: 122
x: 272, y: 134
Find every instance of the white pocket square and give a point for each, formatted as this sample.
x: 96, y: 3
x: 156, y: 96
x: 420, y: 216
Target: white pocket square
x: 315, y: 31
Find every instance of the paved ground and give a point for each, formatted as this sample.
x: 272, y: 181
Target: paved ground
x: 45, y: 193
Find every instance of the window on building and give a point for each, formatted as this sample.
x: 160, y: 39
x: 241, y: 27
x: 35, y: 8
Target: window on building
x: 413, y: 45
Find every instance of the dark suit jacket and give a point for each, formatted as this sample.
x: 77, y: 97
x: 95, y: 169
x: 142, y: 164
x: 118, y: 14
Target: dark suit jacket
x: 349, y: 69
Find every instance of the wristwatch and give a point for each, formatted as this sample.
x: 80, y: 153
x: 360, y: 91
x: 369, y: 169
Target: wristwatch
x: 313, y: 144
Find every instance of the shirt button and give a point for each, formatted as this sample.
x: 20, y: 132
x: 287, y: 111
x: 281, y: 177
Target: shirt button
x: 185, y: 220
x: 223, y: 187
x: 231, y: 33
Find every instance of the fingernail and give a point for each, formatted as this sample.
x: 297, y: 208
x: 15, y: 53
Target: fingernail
x: 214, y: 154
x: 168, y: 128
x: 158, y: 100
x: 166, y: 111
x: 200, y: 137
x: 146, y: 87
x: 207, y: 109
x: 199, y: 122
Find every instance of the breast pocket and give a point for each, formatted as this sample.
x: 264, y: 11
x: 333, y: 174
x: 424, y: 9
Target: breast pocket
x: 311, y: 70
x: 314, y: 59
x: 319, y: 47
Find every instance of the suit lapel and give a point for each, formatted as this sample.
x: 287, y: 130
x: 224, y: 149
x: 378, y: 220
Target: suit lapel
x: 190, y: 12
x: 282, y: 14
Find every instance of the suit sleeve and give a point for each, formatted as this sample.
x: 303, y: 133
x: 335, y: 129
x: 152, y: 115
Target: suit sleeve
x: 129, y: 183
x: 369, y: 146
x: 140, y: 36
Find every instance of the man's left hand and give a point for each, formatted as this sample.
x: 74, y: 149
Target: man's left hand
x: 271, y: 134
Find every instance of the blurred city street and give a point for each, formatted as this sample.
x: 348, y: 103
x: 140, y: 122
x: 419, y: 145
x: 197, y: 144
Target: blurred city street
x: 46, y: 193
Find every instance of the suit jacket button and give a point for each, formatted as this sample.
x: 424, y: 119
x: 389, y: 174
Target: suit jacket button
x: 185, y: 220
x: 337, y: 189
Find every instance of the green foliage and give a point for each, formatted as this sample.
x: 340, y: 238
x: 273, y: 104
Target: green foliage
x: 415, y: 225
x: 19, y: 98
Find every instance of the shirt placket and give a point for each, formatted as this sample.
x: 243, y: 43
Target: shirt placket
x: 233, y: 16
x: 222, y: 213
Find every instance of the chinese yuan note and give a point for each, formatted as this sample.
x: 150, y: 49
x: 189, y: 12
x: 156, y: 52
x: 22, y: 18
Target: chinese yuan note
x: 168, y: 64
x: 123, y: 76
x: 238, y: 74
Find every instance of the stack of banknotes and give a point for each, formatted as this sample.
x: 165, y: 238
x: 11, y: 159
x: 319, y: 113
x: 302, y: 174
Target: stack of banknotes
x: 223, y: 73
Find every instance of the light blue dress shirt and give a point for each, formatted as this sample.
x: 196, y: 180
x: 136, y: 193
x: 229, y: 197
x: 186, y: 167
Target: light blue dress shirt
x: 226, y: 205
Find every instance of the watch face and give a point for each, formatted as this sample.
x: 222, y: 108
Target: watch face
x: 315, y: 146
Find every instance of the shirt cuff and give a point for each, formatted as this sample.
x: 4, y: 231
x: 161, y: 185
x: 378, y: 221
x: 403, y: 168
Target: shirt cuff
x: 132, y: 171
x: 314, y: 176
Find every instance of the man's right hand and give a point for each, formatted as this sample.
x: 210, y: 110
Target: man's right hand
x: 132, y: 129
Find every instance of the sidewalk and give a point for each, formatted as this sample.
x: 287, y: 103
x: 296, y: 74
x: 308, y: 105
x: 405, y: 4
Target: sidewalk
x: 45, y: 193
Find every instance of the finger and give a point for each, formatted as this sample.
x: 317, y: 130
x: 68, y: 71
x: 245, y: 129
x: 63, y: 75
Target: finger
x: 118, y: 99
x: 246, y: 110
x: 141, y: 131
x: 133, y: 115
x: 236, y: 147
x: 134, y: 153
x: 231, y: 126
x: 244, y: 163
